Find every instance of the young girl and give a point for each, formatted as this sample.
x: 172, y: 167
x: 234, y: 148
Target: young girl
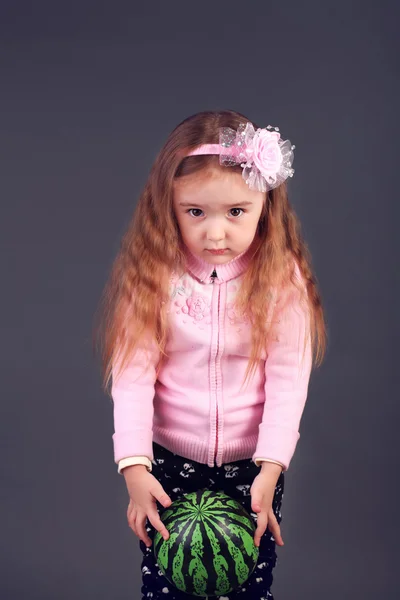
x: 210, y: 326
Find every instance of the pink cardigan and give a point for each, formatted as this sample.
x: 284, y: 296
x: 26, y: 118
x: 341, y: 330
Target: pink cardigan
x: 196, y: 407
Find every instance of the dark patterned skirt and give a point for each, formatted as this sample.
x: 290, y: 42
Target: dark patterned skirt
x: 179, y: 475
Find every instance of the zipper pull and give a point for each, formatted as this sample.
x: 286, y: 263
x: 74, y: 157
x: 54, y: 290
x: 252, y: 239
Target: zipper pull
x: 213, y: 276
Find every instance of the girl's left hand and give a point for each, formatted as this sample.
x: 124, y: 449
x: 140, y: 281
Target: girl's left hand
x: 262, y: 493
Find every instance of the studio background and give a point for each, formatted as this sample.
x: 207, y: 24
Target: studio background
x: 90, y: 91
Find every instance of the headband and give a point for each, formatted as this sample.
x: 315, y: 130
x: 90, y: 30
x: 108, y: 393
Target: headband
x: 266, y: 158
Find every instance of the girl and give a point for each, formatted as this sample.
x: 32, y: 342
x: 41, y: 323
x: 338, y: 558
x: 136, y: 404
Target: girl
x: 210, y: 325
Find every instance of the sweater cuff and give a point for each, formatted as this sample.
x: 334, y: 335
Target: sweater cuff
x: 258, y: 462
x: 134, y: 460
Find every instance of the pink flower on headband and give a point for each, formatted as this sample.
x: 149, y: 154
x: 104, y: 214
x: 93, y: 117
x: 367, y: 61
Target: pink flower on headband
x: 266, y: 158
x: 266, y: 154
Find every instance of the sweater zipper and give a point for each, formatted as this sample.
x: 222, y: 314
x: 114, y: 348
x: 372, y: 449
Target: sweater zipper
x: 213, y: 276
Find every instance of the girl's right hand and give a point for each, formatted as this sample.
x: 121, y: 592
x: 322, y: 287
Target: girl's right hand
x: 144, y: 489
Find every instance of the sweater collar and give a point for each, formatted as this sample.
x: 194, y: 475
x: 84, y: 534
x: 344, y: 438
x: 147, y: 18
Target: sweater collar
x: 203, y: 270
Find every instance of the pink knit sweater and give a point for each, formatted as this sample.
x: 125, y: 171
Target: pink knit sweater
x: 196, y: 408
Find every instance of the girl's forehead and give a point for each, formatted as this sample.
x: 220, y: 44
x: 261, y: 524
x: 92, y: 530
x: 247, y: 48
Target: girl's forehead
x: 214, y: 187
x: 217, y: 176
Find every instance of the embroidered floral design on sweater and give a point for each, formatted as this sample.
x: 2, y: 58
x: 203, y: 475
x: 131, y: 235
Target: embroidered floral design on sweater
x: 197, y: 307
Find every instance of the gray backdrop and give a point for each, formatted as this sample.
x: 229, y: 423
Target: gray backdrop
x: 89, y: 92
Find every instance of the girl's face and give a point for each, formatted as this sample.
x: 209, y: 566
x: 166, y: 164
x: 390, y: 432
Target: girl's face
x: 216, y: 210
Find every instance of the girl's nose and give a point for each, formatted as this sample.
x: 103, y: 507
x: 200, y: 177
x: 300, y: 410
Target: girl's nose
x: 215, y: 234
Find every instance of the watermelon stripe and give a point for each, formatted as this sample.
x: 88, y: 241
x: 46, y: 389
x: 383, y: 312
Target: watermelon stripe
x: 225, y: 575
x: 236, y: 548
x: 178, y: 577
x: 174, y: 547
x: 177, y: 531
x: 178, y: 516
x: 237, y: 518
x: 237, y: 512
x: 194, y: 567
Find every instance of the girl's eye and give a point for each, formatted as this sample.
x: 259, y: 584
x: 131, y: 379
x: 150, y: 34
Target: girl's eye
x: 236, y: 209
x: 192, y: 210
x: 234, y: 212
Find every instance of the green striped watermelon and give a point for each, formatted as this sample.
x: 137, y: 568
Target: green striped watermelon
x: 210, y: 549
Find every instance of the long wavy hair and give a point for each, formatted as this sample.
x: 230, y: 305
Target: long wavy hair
x: 132, y: 312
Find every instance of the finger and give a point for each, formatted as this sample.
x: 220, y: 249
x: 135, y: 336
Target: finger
x: 158, y: 525
x: 134, y: 529
x: 131, y: 508
x: 162, y: 497
x: 274, y: 528
x: 256, y: 503
x: 132, y: 520
x: 262, y: 522
x: 141, y: 529
x: 132, y: 515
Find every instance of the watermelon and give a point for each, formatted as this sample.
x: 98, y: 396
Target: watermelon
x: 210, y: 550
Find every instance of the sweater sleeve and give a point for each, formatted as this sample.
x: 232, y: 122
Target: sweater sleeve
x: 132, y: 392
x: 287, y: 373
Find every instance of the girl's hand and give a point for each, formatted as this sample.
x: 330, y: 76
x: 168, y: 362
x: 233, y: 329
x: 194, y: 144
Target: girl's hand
x: 262, y: 494
x: 144, y: 489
